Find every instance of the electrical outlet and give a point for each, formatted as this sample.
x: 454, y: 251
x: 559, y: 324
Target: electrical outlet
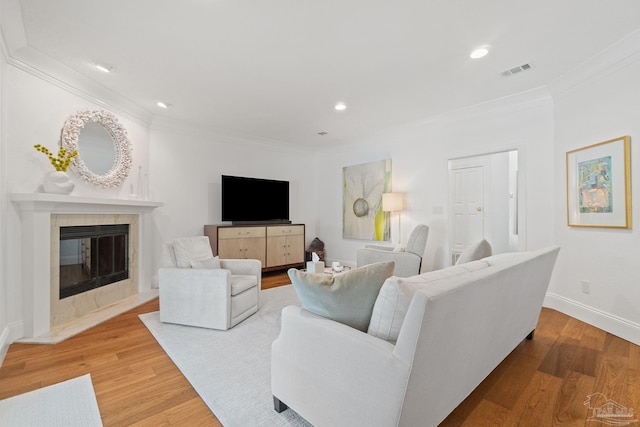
x: 586, y: 287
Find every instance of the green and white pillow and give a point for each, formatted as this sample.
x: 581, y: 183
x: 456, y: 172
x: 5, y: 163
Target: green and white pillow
x: 347, y: 298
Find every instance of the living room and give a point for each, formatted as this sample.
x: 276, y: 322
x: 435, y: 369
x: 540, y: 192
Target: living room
x: 592, y: 102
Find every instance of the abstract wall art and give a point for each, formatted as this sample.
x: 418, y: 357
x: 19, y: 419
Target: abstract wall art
x: 362, y: 186
x: 599, y: 185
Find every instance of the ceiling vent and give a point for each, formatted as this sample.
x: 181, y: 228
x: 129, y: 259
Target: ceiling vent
x: 516, y: 70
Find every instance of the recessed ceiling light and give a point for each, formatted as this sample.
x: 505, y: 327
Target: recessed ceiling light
x: 103, y: 67
x: 340, y: 106
x: 163, y: 105
x: 479, y: 52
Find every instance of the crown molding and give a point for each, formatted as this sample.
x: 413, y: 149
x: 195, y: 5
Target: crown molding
x: 616, y: 57
x: 222, y: 136
x: 47, y: 69
x: 20, y: 55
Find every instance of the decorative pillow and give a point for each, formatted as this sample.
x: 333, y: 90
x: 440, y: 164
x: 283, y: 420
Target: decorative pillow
x: 191, y: 248
x: 396, y: 294
x: 348, y: 297
x: 475, y: 251
x: 206, y: 263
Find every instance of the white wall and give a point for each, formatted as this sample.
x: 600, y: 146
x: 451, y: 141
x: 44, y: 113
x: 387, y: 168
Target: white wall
x: 4, y: 303
x: 420, y: 154
x: 35, y: 109
x: 592, y: 109
x: 186, y: 171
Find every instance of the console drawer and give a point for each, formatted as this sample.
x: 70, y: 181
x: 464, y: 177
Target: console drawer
x: 285, y: 230
x: 240, y: 232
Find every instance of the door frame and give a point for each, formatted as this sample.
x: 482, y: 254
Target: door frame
x: 468, y: 158
x: 467, y: 163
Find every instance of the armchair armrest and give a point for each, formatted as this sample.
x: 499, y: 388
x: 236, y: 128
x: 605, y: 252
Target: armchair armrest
x: 179, y: 287
x: 407, y: 263
x: 329, y: 372
x: 380, y: 247
x: 251, y: 267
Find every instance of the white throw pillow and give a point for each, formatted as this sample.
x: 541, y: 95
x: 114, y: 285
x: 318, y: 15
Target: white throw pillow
x: 475, y: 251
x: 191, y: 248
x: 396, y: 294
x: 206, y: 263
x: 347, y: 297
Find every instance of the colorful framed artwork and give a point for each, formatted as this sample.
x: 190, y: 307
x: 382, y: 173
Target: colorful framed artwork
x: 362, y: 188
x: 599, y: 185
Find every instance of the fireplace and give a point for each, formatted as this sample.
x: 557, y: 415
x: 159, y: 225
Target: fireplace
x: 80, y: 289
x: 92, y: 256
x: 46, y: 317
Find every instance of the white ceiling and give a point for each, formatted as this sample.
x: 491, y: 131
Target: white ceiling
x: 274, y: 69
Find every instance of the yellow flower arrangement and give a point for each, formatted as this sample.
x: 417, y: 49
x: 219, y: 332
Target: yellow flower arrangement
x: 62, y: 162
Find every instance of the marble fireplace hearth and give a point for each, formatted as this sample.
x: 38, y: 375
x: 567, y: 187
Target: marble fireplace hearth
x: 47, y: 318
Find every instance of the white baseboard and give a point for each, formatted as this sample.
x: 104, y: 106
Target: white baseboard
x: 4, y: 344
x: 608, y: 322
x: 8, y: 336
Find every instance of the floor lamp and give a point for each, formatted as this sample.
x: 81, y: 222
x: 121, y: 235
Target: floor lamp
x: 394, y: 203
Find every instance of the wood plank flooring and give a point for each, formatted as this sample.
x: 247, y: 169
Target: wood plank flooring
x: 544, y: 382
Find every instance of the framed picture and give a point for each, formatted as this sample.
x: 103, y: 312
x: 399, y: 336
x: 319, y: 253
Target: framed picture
x: 362, y: 214
x: 599, y: 185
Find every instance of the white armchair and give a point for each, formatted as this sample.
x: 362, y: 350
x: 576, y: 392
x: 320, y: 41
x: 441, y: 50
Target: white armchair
x: 197, y: 289
x: 408, y: 262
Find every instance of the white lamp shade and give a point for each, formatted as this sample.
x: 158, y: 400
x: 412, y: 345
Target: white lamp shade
x: 393, y: 202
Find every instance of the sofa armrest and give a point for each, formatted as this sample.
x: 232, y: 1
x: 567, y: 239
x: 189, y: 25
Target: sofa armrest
x: 251, y: 267
x: 193, y: 296
x: 407, y: 263
x: 332, y: 374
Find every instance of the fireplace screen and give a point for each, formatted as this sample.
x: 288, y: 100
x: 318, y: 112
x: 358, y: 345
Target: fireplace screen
x: 92, y: 256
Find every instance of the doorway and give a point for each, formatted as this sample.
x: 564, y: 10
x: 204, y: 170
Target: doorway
x: 484, y: 195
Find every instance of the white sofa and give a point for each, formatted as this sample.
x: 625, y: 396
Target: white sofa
x: 460, y: 323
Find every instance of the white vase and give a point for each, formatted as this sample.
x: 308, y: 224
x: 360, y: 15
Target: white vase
x: 57, y: 182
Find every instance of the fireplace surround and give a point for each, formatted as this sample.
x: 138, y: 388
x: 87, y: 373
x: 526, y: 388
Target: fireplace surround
x: 41, y: 216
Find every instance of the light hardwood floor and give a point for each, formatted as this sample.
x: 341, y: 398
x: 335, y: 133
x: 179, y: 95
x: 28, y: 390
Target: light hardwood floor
x: 544, y: 382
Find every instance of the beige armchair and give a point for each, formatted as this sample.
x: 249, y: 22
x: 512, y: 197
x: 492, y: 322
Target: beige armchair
x: 198, y: 289
x: 408, y: 262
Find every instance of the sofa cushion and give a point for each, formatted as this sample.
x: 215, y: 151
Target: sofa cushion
x: 347, y: 297
x: 475, y: 251
x: 396, y: 293
x: 206, y: 263
x: 190, y: 248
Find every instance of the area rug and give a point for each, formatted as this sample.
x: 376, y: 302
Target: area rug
x: 66, y: 404
x: 231, y: 370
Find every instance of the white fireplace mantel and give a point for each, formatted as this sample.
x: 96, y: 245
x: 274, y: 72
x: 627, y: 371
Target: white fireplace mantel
x: 36, y: 210
x: 62, y: 203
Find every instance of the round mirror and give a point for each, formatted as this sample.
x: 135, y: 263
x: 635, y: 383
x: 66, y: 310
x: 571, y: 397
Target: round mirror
x: 104, y: 150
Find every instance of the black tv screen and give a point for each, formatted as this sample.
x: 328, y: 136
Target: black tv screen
x: 254, y: 200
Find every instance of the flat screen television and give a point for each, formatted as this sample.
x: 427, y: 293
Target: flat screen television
x: 254, y: 200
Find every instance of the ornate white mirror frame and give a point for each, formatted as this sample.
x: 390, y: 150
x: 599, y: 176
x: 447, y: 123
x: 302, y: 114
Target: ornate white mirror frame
x: 70, y: 137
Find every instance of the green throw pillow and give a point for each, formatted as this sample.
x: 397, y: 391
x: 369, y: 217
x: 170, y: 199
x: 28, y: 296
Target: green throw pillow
x: 347, y: 297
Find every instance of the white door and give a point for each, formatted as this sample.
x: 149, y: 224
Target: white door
x: 467, y: 206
